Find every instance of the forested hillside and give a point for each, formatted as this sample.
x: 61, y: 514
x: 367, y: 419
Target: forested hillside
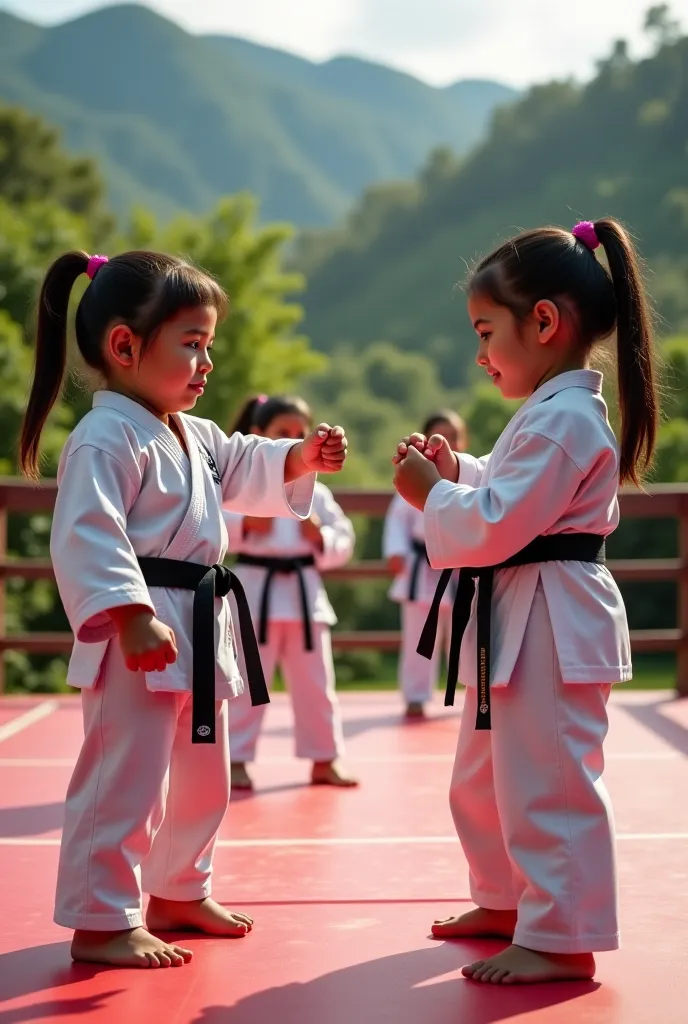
x: 177, y: 120
x: 618, y: 145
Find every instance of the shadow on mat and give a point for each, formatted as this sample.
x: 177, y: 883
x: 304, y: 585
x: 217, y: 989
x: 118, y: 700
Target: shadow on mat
x: 405, y: 988
x: 30, y: 821
x: 39, y: 969
x: 56, y: 1008
x: 651, y: 716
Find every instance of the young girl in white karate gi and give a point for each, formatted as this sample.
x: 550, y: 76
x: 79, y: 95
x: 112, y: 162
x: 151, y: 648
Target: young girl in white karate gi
x: 528, y: 800
x: 403, y: 547
x: 137, y: 541
x: 279, y: 564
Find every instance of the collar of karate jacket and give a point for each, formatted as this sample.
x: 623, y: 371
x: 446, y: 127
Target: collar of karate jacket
x: 139, y: 414
x: 591, y: 380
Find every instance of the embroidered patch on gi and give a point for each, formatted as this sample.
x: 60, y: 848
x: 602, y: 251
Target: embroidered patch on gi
x: 203, y: 730
x: 212, y: 465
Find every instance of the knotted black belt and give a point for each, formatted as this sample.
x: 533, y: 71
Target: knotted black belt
x: 209, y: 582
x: 560, y: 547
x: 420, y: 554
x: 283, y: 566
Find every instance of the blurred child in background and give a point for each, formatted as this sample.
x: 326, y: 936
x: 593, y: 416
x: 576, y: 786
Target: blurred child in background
x: 415, y: 582
x: 279, y: 563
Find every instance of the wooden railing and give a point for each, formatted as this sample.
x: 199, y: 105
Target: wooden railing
x: 663, y: 501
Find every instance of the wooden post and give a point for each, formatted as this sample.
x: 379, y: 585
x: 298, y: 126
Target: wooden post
x: 682, y: 598
x: 3, y: 624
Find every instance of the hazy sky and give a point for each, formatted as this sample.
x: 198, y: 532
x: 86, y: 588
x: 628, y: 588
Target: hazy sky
x: 515, y: 41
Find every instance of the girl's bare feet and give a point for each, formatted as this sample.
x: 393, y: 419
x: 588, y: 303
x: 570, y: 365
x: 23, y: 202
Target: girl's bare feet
x: 520, y: 966
x: 331, y: 773
x: 135, y: 947
x: 196, y: 916
x: 477, y: 923
x: 240, y: 778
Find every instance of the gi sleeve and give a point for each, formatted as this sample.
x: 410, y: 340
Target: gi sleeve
x: 337, y: 533
x: 396, y: 534
x: 94, y: 562
x: 475, y: 526
x: 252, y: 474
x: 471, y: 469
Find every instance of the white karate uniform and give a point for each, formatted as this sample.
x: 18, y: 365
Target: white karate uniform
x: 144, y: 805
x: 405, y: 524
x: 308, y: 675
x: 528, y: 800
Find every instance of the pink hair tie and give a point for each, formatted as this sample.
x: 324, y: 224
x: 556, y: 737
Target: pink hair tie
x: 585, y: 232
x: 94, y: 265
x: 261, y: 399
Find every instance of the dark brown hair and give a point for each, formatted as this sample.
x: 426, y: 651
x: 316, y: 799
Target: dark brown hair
x: 550, y: 263
x: 445, y: 416
x: 260, y: 410
x: 139, y: 289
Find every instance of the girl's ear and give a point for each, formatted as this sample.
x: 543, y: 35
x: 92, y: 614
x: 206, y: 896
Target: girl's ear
x: 548, y: 318
x: 121, y: 346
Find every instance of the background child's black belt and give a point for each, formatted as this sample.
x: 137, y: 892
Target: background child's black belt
x: 283, y: 566
x: 209, y: 582
x: 558, y: 547
x: 420, y: 552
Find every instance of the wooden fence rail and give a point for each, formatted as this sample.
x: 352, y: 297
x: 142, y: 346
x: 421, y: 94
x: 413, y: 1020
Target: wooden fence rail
x: 662, y: 501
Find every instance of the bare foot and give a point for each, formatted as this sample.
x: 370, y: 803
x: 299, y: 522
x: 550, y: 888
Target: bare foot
x: 520, y: 966
x: 240, y: 778
x: 331, y: 773
x: 478, y: 923
x: 415, y: 709
x: 196, y: 916
x: 133, y: 948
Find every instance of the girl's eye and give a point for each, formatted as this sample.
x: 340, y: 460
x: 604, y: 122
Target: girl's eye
x: 485, y: 335
x: 193, y: 344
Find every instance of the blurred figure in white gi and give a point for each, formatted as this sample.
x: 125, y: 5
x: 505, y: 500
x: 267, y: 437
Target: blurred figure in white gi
x: 414, y: 585
x: 279, y: 563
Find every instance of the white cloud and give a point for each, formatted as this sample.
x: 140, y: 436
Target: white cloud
x: 518, y: 41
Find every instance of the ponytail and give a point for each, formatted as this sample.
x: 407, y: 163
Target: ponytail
x: 51, y: 354
x: 246, y: 416
x: 634, y: 338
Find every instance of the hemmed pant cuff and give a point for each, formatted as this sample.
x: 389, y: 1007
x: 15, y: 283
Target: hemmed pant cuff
x: 181, y: 893
x: 116, y: 922
x: 571, y: 944
x: 491, y: 901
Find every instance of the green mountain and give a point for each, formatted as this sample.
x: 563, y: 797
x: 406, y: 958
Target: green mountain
x: 618, y: 145
x: 177, y: 120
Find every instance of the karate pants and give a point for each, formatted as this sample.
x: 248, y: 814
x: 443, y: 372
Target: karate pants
x: 530, y: 807
x: 418, y: 675
x: 143, y: 806
x: 309, y: 678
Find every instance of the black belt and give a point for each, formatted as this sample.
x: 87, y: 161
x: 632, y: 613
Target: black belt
x: 420, y: 553
x: 559, y: 547
x: 283, y: 566
x: 209, y: 582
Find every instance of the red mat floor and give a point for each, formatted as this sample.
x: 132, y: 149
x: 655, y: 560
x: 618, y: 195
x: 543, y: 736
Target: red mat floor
x: 345, y: 884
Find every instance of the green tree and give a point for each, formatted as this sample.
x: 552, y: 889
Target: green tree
x: 660, y: 25
x: 34, y: 167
